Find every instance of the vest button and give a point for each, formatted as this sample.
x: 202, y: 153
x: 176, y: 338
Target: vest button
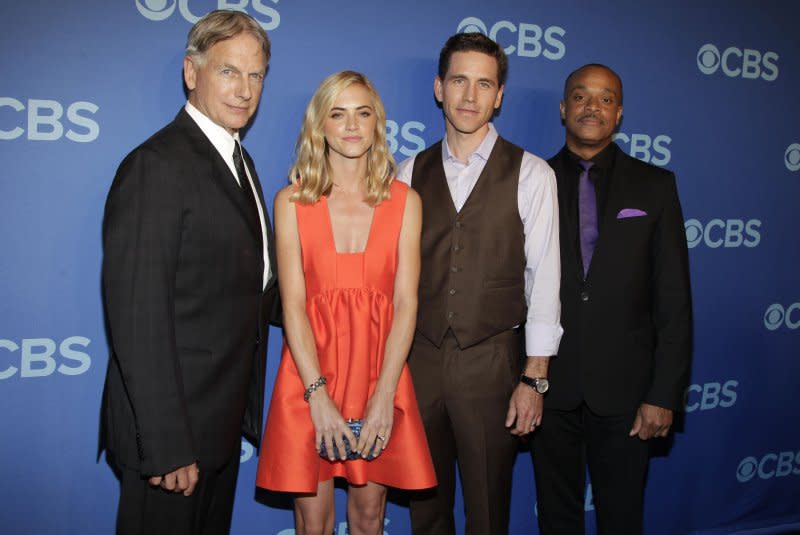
x: 459, y: 224
x: 450, y: 315
x: 456, y: 248
x: 584, y: 296
x: 454, y: 269
x: 452, y: 291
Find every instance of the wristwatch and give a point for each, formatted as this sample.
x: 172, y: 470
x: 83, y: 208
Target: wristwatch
x: 540, y: 384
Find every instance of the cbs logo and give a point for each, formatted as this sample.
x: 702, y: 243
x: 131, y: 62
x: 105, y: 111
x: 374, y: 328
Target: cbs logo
x: 405, y: 134
x: 648, y: 149
x: 710, y: 396
x: 769, y: 466
x: 247, y: 452
x: 158, y: 10
x: 718, y: 233
x: 36, y: 357
x: 776, y: 316
x: 531, y: 41
x: 792, y: 157
x: 735, y: 62
x: 43, y: 120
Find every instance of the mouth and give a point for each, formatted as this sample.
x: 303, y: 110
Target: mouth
x: 353, y: 139
x: 467, y: 111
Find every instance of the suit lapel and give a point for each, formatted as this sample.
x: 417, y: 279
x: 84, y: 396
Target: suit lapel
x: 222, y: 173
x: 273, y: 261
x: 567, y: 192
x: 614, y: 203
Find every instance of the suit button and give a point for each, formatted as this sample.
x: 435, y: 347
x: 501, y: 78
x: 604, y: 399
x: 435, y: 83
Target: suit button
x: 452, y: 291
x: 454, y: 269
x: 450, y: 315
x: 584, y: 296
x: 459, y: 224
x: 456, y: 248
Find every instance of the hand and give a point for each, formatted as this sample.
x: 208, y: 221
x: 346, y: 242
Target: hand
x: 377, y: 428
x: 525, y: 406
x: 183, y: 479
x: 651, y: 421
x: 329, y: 425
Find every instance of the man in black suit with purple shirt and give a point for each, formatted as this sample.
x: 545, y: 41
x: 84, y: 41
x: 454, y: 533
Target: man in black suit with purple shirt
x: 623, y: 362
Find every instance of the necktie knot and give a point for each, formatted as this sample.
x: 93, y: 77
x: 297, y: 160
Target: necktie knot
x: 586, y: 164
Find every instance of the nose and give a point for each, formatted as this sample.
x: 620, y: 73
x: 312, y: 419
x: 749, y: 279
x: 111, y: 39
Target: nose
x: 592, y: 103
x: 351, y: 121
x: 243, y: 89
x: 471, y: 93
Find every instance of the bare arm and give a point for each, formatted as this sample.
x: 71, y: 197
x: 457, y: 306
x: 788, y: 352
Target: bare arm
x: 379, y: 414
x: 328, y: 421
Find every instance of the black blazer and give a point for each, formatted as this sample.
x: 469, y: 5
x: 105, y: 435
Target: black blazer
x: 628, y: 325
x: 187, y: 317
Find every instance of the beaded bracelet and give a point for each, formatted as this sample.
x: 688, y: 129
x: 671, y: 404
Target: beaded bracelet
x: 313, y: 387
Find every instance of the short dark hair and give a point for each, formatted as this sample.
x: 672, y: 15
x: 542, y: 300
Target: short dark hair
x: 595, y: 66
x: 473, y: 42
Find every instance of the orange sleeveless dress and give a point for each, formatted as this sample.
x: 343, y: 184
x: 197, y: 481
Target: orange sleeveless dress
x: 350, y: 308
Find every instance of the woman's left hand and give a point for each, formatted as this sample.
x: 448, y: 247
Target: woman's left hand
x: 377, y: 428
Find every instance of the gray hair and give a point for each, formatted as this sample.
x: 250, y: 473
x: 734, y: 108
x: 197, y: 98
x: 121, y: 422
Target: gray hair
x: 220, y: 25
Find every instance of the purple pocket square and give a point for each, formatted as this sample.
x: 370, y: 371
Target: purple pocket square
x: 630, y: 212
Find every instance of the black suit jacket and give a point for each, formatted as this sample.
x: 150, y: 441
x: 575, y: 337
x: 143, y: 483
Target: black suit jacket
x: 187, y: 317
x: 627, y: 326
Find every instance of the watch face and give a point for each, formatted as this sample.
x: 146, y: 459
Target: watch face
x: 542, y: 385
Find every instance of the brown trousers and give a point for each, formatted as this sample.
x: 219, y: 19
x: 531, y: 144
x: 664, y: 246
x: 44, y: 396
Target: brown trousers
x: 463, y: 397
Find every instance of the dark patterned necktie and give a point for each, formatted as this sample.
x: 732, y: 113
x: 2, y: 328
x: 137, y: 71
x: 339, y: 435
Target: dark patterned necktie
x: 587, y: 215
x: 247, y: 190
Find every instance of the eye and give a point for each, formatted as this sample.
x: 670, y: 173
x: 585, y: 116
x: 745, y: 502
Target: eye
x: 336, y: 115
x: 577, y: 98
x: 366, y: 114
x: 485, y: 85
x: 257, y: 77
x: 226, y: 72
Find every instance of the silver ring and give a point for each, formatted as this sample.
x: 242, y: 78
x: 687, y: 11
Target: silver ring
x: 382, y: 438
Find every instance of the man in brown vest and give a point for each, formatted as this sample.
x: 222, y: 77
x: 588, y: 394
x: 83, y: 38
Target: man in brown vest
x: 490, y: 263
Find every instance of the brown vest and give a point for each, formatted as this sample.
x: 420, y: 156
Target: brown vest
x: 473, y: 261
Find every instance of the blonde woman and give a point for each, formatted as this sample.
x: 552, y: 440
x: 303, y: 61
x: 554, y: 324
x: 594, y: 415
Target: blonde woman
x: 348, y: 239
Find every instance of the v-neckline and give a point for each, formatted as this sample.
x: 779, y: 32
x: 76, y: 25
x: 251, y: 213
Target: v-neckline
x: 333, y: 238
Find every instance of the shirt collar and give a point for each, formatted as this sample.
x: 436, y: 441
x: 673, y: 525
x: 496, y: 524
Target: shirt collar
x: 603, y: 160
x: 483, y: 151
x: 219, y: 137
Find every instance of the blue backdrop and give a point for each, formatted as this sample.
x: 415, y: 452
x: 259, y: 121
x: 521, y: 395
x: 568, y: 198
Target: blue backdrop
x: 710, y: 92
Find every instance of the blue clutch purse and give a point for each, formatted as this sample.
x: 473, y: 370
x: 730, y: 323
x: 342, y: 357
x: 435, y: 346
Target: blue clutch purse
x: 355, y: 428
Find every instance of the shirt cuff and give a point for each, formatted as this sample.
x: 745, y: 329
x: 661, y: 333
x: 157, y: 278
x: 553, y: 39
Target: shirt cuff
x: 542, y: 339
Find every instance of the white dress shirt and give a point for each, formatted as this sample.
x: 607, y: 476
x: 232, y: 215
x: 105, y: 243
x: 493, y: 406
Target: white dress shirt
x: 537, y: 202
x: 225, y: 144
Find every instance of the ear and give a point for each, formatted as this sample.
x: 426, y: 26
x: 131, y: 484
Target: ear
x: 563, y: 111
x: 189, y: 73
x: 619, y: 115
x: 437, y: 89
x: 499, y: 98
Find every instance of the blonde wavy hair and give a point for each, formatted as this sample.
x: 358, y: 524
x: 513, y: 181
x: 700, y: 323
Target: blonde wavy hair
x: 310, y: 172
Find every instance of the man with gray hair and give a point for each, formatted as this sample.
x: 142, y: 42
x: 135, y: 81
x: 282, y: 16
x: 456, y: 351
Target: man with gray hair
x: 189, y: 287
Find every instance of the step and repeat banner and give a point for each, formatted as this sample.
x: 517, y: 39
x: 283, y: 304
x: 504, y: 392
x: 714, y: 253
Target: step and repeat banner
x: 711, y: 92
